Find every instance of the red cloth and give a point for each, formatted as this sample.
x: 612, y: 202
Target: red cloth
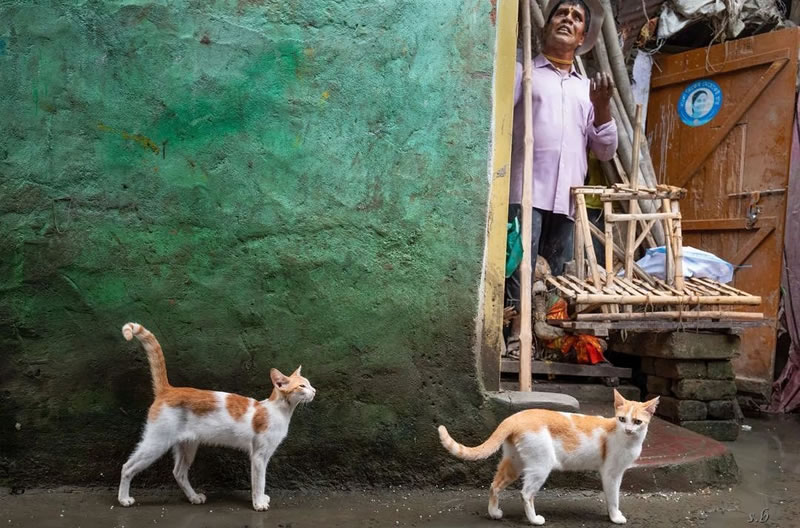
x: 581, y: 348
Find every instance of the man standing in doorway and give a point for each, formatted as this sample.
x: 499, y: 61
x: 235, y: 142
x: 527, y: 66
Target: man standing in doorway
x: 570, y: 114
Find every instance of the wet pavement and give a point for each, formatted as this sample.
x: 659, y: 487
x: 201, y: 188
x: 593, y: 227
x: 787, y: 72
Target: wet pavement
x: 768, y: 457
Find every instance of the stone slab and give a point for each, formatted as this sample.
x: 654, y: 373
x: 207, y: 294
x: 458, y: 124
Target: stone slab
x: 680, y: 345
x: 719, y: 370
x: 519, y: 401
x: 680, y: 410
x: 679, y: 369
x: 721, y: 410
x: 593, y: 392
x: 722, y: 430
x: 659, y: 385
x: 704, y: 390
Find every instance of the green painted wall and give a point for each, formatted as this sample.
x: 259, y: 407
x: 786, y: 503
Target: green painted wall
x: 260, y: 183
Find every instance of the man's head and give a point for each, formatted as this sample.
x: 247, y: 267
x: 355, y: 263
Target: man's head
x: 566, y: 26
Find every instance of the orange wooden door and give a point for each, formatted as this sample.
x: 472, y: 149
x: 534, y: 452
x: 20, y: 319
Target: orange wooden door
x: 735, y: 166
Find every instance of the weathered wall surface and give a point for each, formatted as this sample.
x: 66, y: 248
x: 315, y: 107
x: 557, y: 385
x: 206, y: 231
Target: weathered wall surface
x: 260, y: 183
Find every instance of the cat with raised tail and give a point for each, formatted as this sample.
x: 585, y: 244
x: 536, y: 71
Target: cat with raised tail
x: 182, y: 418
x: 537, y: 441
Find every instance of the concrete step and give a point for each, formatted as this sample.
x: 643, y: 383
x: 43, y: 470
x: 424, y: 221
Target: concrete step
x: 581, y: 391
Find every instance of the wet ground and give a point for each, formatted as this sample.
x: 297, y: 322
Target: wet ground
x: 769, y: 495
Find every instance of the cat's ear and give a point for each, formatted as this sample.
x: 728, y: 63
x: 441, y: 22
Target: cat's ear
x: 278, y: 379
x: 297, y: 372
x: 650, y: 406
x: 619, y: 401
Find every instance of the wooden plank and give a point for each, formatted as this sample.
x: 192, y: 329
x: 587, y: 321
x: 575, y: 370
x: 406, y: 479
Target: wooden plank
x: 511, y: 366
x: 732, y: 117
x: 752, y: 243
x: 727, y: 66
x: 727, y: 224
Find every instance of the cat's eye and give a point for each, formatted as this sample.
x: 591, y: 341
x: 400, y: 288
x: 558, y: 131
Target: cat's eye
x: 302, y: 386
x: 637, y: 421
x: 622, y: 419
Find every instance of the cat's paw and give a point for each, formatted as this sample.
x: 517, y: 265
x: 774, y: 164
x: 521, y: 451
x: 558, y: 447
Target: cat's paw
x: 199, y: 498
x: 495, y: 513
x: 538, y: 520
x: 127, y: 501
x: 261, y: 504
x: 617, y: 517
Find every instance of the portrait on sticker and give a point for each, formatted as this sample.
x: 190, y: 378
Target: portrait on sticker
x: 700, y: 102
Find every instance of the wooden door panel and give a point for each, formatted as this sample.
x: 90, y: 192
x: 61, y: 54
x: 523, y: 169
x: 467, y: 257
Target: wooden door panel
x: 745, y: 148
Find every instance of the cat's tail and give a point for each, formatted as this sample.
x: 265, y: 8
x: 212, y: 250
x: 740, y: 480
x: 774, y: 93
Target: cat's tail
x: 485, y: 450
x: 158, y: 368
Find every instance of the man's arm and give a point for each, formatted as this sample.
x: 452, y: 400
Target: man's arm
x: 601, y: 126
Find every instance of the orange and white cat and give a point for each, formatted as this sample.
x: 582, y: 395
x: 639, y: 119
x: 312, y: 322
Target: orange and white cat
x: 183, y: 418
x: 537, y: 441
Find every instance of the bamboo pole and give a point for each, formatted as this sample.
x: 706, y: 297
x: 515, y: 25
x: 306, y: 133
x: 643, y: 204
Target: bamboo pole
x: 748, y: 316
x: 616, y: 58
x: 677, y: 239
x: 626, y: 217
x: 620, y: 254
x: 580, y: 260
x: 609, y: 243
x: 667, y: 299
x: 633, y: 206
x: 669, y: 261
x: 525, y: 335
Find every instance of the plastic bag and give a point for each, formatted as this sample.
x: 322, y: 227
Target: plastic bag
x: 696, y: 263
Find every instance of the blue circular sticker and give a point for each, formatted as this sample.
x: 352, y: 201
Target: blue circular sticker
x: 700, y: 102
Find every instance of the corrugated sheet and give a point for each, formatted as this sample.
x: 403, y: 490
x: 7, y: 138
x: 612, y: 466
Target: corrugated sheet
x: 631, y: 17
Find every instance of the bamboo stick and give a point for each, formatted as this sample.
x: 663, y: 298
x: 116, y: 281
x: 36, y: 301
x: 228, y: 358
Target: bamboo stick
x: 621, y: 255
x: 626, y: 217
x: 669, y: 261
x: 749, y: 316
x: 526, y: 335
x: 664, y: 299
x: 616, y: 58
x: 580, y: 260
x: 643, y: 235
x: 609, y: 243
x: 633, y: 206
x: 580, y: 207
x: 677, y: 239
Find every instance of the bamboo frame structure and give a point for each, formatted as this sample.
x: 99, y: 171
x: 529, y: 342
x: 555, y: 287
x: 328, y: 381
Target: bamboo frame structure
x: 643, y: 296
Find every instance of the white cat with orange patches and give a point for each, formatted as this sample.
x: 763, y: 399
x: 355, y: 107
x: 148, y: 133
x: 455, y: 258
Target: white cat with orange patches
x: 183, y: 418
x: 536, y: 441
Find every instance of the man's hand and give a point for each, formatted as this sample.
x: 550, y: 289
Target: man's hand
x: 600, y: 92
